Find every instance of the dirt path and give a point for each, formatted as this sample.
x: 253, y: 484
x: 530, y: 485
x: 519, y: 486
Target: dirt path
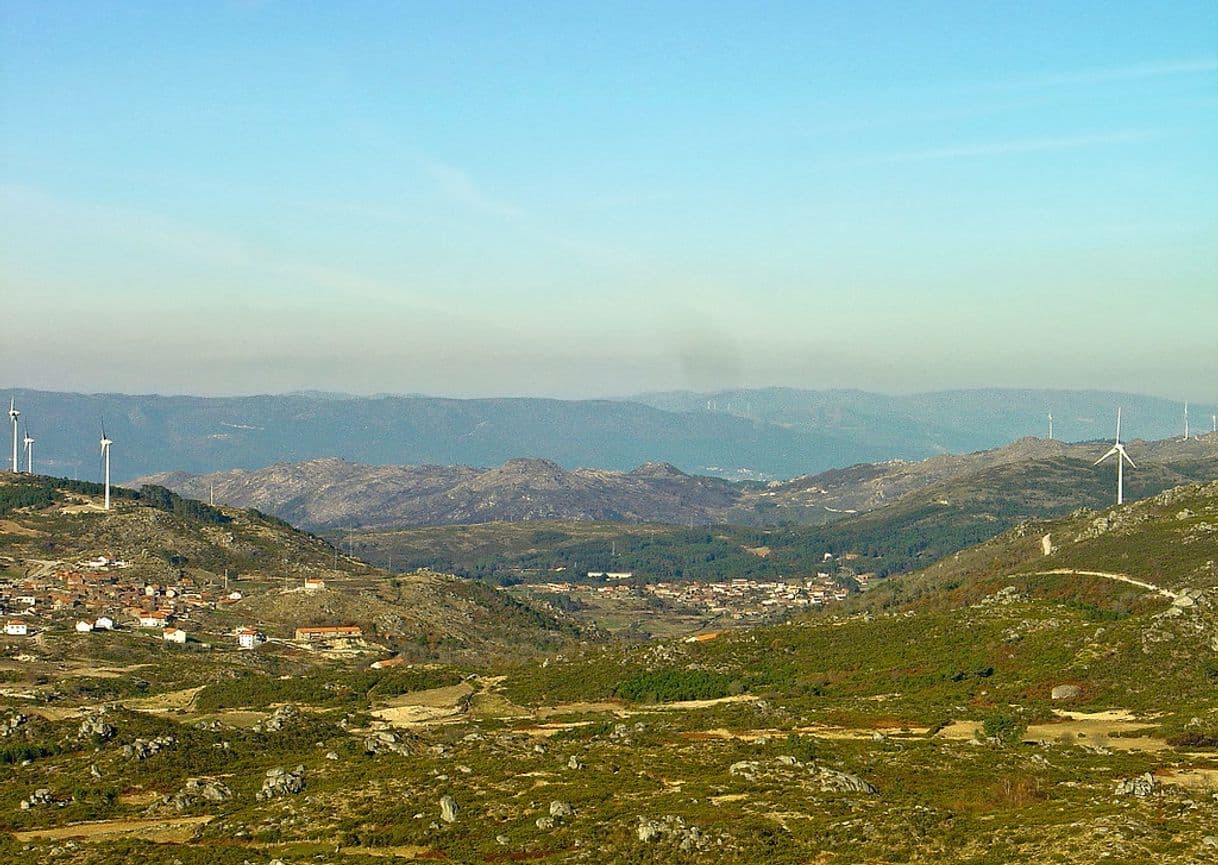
x: 1123, y: 578
x: 174, y: 830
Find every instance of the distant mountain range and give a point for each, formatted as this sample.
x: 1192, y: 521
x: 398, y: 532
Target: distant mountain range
x: 1032, y: 477
x: 748, y: 434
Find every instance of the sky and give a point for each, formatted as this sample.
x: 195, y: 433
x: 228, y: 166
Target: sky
x: 584, y: 200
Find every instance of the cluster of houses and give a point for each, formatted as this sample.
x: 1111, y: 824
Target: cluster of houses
x: 96, y: 596
x: 741, y: 599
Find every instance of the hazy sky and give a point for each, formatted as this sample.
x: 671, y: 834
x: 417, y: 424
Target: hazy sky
x: 588, y: 199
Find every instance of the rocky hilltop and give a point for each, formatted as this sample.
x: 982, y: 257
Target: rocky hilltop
x: 1033, y: 477
x: 327, y: 493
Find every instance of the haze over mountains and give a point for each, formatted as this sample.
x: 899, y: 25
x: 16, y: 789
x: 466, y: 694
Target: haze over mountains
x: 765, y: 433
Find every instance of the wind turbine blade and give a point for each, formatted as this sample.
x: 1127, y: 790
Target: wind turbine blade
x: 1111, y: 451
x: 1127, y: 459
x: 1118, y: 437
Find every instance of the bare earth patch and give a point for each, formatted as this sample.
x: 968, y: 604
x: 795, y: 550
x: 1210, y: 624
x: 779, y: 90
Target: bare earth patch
x: 177, y: 830
x: 435, y: 705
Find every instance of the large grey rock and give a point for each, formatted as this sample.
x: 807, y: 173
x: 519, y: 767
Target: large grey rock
x: 1141, y: 786
x: 1066, y: 692
x: 388, y: 742
x: 96, y: 727
x: 10, y: 724
x: 561, y: 810
x: 448, y: 809
x: 842, y: 782
x: 282, y: 782
x: 198, y: 791
x: 280, y: 718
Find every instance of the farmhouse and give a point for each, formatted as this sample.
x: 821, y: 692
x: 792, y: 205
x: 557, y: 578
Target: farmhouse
x: 14, y: 628
x: 249, y: 638
x: 173, y: 635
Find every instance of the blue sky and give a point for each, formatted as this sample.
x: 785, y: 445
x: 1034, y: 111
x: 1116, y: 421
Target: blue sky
x: 584, y: 200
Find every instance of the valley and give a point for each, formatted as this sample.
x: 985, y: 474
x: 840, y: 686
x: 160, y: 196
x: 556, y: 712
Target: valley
x: 1047, y: 694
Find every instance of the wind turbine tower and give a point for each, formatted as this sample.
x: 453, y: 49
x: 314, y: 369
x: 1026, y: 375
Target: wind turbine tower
x: 1186, y: 420
x: 28, y: 441
x: 13, y: 415
x: 105, y: 452
x: 1050, y: 426
x: 1122, y: 457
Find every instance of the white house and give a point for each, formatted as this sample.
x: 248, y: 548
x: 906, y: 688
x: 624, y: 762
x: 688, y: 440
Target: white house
x: 13, y: 628
x: 249, y: 638
x: 104, y: 623
x: 83, y: 627
x: 173, y: 635
x: 153, y: 620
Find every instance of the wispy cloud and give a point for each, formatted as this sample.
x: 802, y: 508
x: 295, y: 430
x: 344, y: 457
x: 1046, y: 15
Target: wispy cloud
x: 1011, y: 147
x: 461, y: 188
x: 1110, y: 75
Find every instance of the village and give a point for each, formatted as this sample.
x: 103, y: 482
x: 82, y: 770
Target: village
x: 741, y: 601
x: 98, y: 595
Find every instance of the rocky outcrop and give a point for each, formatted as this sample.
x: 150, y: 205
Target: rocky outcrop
x: 282, y: 782
x: 39, y: 797
x: 672, y: 830
x: 1140, y: 786
x: 97, y: 728
x: 199, y: 791
x: 277, y: 720
x: 389, y: 742
x: 142, y: 749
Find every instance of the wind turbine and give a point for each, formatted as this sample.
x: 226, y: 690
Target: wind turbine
x: 1050, y: 426
x: 1122, y: 457
x: 105, y: 452
x: 28, y: 441
x: 1186, y: 420
x: 13, y: 415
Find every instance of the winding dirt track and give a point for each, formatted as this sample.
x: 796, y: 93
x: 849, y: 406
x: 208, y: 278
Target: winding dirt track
x: 1124, y: 578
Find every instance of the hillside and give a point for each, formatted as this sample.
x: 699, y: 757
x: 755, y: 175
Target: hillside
x: 196, y: 555
x: 1032, y: 477
x: 331, y: 493
x: 756, y: 434
x: 1005, y: 705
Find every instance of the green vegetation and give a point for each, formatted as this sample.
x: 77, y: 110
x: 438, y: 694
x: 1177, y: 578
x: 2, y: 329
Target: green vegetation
x: 355, y: 689
x: 665, y: 686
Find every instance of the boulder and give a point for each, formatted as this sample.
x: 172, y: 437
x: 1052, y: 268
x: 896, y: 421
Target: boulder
x: 198, y: 791
x: 282, y: 782
x: 448, y: 809
x: 1141, y: 786
x: 1066, y: 692
x: 95, y: 727
x: 832, y: 780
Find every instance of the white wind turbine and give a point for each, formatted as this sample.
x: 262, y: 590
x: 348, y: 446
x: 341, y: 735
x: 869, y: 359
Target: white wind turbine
x: 13, y: 415
x: 28, y: 441
x: 105, y: 452
x: 1050, y: 426
x: 1122, y: 457
x: 1186, y: 420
